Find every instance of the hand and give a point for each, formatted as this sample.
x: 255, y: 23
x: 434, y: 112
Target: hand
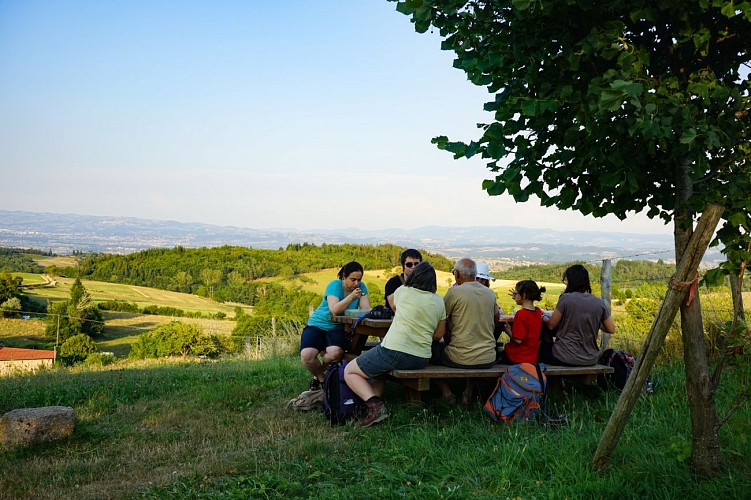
x: 512, y: 293
x: 356, y: 293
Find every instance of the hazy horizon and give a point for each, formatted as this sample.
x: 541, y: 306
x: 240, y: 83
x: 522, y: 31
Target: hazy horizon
x: 262, y: 115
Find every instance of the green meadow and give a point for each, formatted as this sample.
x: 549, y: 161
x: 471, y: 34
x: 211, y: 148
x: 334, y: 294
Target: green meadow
x: 220, y: 429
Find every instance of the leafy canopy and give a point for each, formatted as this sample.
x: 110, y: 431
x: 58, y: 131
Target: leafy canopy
x: 599, y: 107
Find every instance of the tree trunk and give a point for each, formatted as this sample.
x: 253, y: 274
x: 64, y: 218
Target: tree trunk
x: 675, y: 295
x: 705, y: 444
x: 735, y: 289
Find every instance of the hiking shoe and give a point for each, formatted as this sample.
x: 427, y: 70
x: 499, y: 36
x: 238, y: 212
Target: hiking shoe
x: 315, y: 384
x: 375, y: 412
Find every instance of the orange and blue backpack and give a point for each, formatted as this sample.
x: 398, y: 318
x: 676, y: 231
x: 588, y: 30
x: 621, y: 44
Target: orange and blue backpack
x: 519, y: 394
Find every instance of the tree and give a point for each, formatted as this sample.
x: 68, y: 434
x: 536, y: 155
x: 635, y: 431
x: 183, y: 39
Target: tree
x: 10, y: 307
x: 173, y: 339
x: 77, y: 348
x: 74, y: 316
x: 10, y: 286
x: 611, y: 108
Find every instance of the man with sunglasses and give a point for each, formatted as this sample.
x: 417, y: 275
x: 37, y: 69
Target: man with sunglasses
x: 409, y: 259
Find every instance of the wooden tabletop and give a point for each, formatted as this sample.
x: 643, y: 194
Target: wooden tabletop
x: 373, y: 323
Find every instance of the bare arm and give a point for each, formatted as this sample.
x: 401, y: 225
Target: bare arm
x: 390, y: 299
x: 440, y: 330
x: 608, y: 326
x: 554, y: 320
x: 337, y: 306
x: 365, y: 302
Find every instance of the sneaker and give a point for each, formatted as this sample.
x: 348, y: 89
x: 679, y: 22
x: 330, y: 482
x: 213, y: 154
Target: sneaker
x: 376, y: 412
x: 315, y: 384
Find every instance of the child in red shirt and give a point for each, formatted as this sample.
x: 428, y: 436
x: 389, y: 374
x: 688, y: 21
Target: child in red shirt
x: 525, y: 334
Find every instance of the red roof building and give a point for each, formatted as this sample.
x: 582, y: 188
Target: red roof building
x: 15, y: 359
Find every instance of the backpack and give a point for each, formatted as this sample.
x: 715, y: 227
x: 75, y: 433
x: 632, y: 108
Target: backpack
x: 307, y: 400
x: 622, y: 363
x: 340, y: 404
x: 519, y: 394
x: 380, y: 312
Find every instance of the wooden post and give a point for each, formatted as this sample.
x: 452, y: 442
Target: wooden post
x: 677, y: 291
x: 247, y: 348
x: 273, y: 336
x: 606, y: 294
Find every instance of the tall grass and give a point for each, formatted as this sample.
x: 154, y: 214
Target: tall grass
x: 177, y: 429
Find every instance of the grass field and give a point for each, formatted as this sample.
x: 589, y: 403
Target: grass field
x: 180, y: 429
x: 142, y: 296
x: 316, y: 283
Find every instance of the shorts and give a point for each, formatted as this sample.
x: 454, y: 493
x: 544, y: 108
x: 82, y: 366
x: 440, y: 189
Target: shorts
x: 378, y: 361
x: 319, y: 339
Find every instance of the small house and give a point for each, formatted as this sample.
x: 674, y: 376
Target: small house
x: 15, y: 359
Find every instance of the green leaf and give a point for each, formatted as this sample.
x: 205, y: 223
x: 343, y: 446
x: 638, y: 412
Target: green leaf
x: 728, y: 10
x: 495, y: 188
x: 611, y: 99
x: 738, y: 220
x: 688, y: 136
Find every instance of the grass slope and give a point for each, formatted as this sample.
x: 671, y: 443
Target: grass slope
x: 220, y: 430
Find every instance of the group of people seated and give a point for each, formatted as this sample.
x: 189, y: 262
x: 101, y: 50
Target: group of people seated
x: 459, y: 330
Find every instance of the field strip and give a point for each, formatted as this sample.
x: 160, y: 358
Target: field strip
x: 139, y: 291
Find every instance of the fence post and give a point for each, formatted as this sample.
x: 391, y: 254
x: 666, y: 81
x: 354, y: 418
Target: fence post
x: 273, y: 336
x: 606, y: 294
x: 247, y: 348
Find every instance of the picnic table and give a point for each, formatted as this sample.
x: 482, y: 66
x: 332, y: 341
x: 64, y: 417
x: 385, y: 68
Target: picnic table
x: 374, y: 328
x: 365, y: 328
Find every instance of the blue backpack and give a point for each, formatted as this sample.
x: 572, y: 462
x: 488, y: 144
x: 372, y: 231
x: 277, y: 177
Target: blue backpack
x: 340, y: 404
x: 519, y: 394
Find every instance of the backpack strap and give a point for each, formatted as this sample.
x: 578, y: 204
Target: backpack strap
x: 542, y: 414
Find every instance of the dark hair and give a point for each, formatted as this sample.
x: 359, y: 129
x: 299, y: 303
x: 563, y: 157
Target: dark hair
x: 349, y: 268
x: 529, y: 290
x: 577, y: 279
x: 410, y: 252
x: 423, y: 277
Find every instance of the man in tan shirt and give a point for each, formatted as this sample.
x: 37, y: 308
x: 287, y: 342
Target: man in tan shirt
x: 470, y: 311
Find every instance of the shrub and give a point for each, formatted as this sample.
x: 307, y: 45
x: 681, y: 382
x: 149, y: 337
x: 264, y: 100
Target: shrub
x: 77, y: 349
x: 173, y: 339
x: 100, y: 359
x: 118, y: 305
x: 10, y: 307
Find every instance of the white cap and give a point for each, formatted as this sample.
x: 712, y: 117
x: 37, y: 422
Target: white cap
x: 484, y: 272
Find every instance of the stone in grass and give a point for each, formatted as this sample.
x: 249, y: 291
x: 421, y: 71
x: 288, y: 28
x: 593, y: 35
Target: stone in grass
x: 27, y: 426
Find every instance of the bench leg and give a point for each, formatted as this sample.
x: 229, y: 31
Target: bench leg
x: 413, y: 388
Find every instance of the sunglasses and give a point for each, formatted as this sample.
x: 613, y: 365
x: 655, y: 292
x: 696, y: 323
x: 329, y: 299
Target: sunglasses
x: 410, y: 264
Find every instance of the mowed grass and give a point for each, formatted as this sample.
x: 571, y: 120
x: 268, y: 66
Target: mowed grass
x: 189, y: 429
x: 121, y: 329
x: 140, y: 295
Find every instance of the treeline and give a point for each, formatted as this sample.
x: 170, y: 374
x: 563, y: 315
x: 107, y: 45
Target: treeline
x: 131, y: 307
x: 624, y: 273
x: 19, y: 260
x: 231, y: 273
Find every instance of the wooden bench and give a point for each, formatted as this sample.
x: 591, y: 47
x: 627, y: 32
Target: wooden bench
x: 418, y: 381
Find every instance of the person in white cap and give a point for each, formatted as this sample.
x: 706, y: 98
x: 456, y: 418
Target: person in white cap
x: 484, y: 277
x: 483, y: 274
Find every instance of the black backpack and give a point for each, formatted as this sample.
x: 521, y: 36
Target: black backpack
x: 340, y: 404
x: 622, y: 363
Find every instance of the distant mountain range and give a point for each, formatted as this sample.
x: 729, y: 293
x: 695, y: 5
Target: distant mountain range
x: 66, y: 233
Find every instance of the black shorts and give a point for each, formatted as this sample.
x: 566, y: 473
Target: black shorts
x: 319, y: 339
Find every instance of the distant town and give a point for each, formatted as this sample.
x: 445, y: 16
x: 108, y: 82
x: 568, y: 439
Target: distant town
x: 501, y: 246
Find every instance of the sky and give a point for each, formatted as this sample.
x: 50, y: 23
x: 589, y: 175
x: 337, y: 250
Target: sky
x: 277, y: 114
